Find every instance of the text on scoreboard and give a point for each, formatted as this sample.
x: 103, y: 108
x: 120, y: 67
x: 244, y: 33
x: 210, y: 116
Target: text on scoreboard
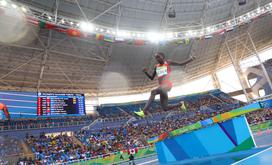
x: 60, y: 104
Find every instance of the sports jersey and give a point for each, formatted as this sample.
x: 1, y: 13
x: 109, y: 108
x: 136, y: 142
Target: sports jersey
x: 163, y: 72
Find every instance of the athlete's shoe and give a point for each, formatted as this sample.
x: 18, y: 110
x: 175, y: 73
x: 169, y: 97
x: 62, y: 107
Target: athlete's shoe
x: 140, y: 113
x: 182, y: 106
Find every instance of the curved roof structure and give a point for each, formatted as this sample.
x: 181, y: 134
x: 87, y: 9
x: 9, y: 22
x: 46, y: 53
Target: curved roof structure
x: 54, y: 62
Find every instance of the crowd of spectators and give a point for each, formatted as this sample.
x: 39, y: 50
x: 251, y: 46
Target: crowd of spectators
x: 55, y: 149
x: 9, y: 146
x: 258, y: 117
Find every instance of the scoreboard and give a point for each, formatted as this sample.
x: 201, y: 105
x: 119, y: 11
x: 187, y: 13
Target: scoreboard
x: 60, y: 104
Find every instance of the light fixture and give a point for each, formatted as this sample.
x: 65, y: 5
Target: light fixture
x: 122, y: 33
x: 143, y: 35
x: 62, y: 21
x: 228, y: 23
x: 169, y: 35
x: 189, y: 33
x: 86, y: 27
x: 3, y: 3
x: 49, y: 17
x: 208, y: 29
x: 14, y: 6
x: 258, y: 10
x: 23, y: 9
x: 71, y: 23
x: 155, y: 37
x: 201, y: 33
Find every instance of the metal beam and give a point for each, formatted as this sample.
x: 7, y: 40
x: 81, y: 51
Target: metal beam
x: 259, y: 59
x: 99, y: 15
x: 18, y: 67
x: 76, y: 56
x: 96, y: 17
x: 82, y: 12
x: 220, y: 52
x: 118, y: 18
x: 203, y: 15
x: 23, y: 46
x: 56, y: 10
x: 234, y: 63
x: 65, y: 75
x: 234, y: 8
x: 42, y: 69
x: 78, y: 51
x: 45, y: 56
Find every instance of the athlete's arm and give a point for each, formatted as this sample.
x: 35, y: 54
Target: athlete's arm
x: 174, y: 63
x: 151, y: 77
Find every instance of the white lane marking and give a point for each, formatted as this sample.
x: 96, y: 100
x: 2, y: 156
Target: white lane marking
x: 148, y: 162
x: 252, y: 156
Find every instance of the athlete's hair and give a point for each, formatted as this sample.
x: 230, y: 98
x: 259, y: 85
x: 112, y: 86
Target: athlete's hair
x: 161, y: 54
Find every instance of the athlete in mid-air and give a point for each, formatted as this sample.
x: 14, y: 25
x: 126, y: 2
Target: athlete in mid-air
x: 4, y: 108
x: 162, y: 70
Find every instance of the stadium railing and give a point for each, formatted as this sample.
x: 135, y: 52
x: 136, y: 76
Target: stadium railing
x: 42, y: 125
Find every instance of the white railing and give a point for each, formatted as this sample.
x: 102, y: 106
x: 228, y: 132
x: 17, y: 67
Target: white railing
x: 28, y: 126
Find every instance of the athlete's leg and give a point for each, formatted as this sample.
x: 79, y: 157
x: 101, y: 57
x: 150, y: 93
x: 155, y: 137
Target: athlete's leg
x: 5, y: 109
x: 154, y: 92
x: 164, y: 101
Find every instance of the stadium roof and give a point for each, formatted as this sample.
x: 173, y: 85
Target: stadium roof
x: 55, y: 62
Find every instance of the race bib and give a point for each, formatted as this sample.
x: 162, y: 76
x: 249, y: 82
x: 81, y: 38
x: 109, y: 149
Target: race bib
x: 161, y: 71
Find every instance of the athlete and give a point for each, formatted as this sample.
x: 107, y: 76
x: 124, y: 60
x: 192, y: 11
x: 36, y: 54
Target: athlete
x: 4, y: 108
x: 162, y: 70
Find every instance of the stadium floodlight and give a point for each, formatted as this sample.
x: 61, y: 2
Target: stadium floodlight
x: 14, y: 6
x: 208, y: 29
x: 155, y: 37
x: 189, y: 33
x: 3, y: 3
x: 121, y: 33
x: 86, y: 27
x: 258, y: 10
x: 23, y: 9
x: 138, y: 35
x: 169, y: 35
x: 143, y: 35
